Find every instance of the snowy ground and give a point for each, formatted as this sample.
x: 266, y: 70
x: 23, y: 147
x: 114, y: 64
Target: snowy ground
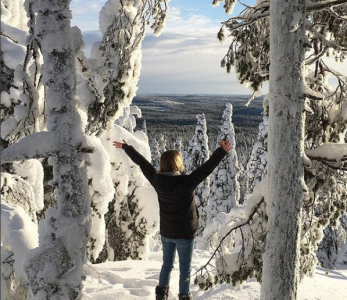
x: 135, y: 280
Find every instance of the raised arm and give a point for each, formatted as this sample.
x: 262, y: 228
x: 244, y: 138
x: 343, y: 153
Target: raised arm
x: 146, y: 167
x: 200, y: 174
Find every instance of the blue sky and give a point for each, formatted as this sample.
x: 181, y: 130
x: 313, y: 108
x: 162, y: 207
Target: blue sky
x: 185, y: 59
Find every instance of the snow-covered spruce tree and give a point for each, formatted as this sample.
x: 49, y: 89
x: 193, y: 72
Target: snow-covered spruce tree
x: 144, y: 126
x: 197, y: 154
x: 162, y: 143
x: 225, y: 188
x: 330, y: 246
x: 155, y: 154
x: 107, y: 85
x: 249, y: 53
x: 113, y: 72
x: 64, y: 232
x: 22, y: 113
x: 133, y: 216
x: 178, y: 145
x: 256, y: 166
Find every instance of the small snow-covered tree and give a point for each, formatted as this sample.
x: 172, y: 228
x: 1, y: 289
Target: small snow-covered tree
x: 162, y: 143
x: 178, y: 145
x: 155, y: 153
x: 256, y: 166
x: 225, y: 188
x: 144, y: 126
x: 329, y: 248
x: 197, y: 153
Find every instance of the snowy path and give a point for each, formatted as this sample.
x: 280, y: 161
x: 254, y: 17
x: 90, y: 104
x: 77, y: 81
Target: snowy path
x: 135, y: 280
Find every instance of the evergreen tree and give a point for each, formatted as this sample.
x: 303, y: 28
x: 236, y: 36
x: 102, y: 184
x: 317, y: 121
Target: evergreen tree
x: 113, y: 73
x: 256, y: 166
x: 297, y: 112
x: 155, y: 153
x: 329, y: 248
x: 133, y: 215
x: 225, y: 188
x: 144, y: 127
x: 162, y: 143
x: 178, y: 145
x: 197, y: 154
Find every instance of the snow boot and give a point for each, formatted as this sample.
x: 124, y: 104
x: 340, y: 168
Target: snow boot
x: 162, y: 293
x: 185, y: 297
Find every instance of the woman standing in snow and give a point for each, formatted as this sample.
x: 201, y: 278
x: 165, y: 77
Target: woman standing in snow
x: 179, y: 219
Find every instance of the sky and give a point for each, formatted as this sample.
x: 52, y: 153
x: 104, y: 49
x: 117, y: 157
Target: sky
x: 186, y: 58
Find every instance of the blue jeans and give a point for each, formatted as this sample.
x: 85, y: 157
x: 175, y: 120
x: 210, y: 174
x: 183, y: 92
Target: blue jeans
x: 185, y: 252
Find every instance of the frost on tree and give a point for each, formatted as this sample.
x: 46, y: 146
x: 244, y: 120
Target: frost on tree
x: 133, y: 216
x: 197, y: 154
x: 64, y: 232
x: 256, y: 166
x: 225, y: 187
x: 22, y: 110
x: 50, y: 40
x: 127, y: 120
x: 112, y: 73
x: 317, y: 123
x: 155, y: 153
x: 331, y: 245
x: 107, y: 85
x: 178, y: 145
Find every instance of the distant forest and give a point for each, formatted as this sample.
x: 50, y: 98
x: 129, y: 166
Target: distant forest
x: 174, y: 116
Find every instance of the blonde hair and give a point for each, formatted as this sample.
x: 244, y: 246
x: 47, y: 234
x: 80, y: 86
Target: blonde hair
x: 171, y: 161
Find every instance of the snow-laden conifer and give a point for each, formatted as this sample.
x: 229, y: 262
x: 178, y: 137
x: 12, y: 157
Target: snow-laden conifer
x: 225, y: 187
x: 331, y: 245
x: 155, y: 153
x: 197, y: 153
x: 256, y: 166
x: 144, y: 126
x: 62, y: 245
x: 178, y: 145
x: 23, y: 107
x: 319, y: 191
x: 162, y: 143
x: 133, y: 216
x: 111, y: 76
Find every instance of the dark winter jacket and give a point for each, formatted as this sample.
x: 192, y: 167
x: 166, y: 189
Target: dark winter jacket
x: 178, y: 212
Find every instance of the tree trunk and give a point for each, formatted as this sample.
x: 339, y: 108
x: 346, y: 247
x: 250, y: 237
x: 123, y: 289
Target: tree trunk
x: 285, y: 149
x: 63, y: 245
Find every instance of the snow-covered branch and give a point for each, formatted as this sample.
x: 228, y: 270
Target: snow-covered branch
x: 330, y: 152
x: 316, y: 6
x: 234, y: 228
x: 253, y: 14
x: 123, y: 27
x: 37, y: 145
x: 321, y: 37
x: 308, y: 93
x: 244, y: 233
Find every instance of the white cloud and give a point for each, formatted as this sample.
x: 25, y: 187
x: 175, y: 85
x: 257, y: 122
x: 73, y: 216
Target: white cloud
x: 186, y: 59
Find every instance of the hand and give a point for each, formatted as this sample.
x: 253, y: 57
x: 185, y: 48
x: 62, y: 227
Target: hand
x: 226, y: 145
x: 119, y: 145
